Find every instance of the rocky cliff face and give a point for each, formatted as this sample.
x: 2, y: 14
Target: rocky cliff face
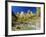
x: 23, y: 17
x: 26, y: 21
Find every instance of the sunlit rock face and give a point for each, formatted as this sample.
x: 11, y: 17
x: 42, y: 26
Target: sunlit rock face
x: 21, y: 14
x: 26, y: 20
x: 25, y: 14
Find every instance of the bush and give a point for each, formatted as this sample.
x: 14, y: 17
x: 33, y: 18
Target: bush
x: 18, y: 27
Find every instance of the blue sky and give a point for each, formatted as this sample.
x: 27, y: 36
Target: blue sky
x: 16, y: 9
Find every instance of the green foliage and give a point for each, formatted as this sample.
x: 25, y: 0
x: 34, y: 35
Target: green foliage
x: 18, y: 27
